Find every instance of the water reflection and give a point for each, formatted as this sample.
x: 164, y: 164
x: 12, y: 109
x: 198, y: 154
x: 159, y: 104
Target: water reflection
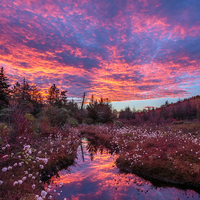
x: 95, y: 176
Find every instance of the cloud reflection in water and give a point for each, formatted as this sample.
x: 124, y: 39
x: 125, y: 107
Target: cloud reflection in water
x: 101, y: 179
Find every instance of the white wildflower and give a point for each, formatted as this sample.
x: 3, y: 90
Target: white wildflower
x: 41, y: 166
x: 15, y: 165
x: 48, y: 190
x: 43, y: 193
x: 15, y: 183
x: 26, y: 147
x: 4, y: 169
x: 60, y: 184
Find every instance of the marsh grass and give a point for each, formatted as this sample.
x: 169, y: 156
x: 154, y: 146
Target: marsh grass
x: 29, y: 160
x: 193, y: 128
x: 166, y: 153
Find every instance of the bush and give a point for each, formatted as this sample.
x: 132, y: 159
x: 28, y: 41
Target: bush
x: 56, y: 116
x: 72, y: 122
x: 118, y: 124
x: 89, y: 121
x: 32, y: 122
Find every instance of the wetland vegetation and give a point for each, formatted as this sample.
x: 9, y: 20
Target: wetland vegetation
x: 40, y: 136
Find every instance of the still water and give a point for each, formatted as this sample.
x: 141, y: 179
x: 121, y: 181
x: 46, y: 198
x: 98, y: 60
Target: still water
x: 95, y: 176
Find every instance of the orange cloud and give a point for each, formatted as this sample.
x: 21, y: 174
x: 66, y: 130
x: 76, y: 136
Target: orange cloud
x: 122, y: 51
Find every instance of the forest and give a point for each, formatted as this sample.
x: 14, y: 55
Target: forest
x: 27, y: 101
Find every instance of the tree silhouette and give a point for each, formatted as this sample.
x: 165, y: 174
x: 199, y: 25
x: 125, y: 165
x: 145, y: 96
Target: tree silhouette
x: 53, y: 96
x: 4, y: 91
x: 99, y: 111
x: 127, y: 114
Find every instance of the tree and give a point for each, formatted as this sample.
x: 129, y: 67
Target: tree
x: 4, y: 90
x: 105, y: 111
x: 115, y: 114
x: 26, y: 97
x: 127, y: 114
x: 99, y: 111
x: 26, y: 90
x: 53, y: 96
x: 63, y: 97
x: 93, y: 110
x: 15, y: 94
x: 35, y: 99
x: 21, y: 92
x: 166, y: 103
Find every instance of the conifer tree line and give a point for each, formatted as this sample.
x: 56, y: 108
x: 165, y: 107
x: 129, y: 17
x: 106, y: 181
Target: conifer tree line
x: 27, y: 98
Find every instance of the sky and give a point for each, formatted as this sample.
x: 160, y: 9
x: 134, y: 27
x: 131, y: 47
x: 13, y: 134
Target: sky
x: 134, y: 52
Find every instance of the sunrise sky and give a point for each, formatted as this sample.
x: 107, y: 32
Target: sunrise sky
x: 124, y: 49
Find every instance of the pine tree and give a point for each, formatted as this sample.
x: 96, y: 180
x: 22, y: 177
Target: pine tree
x: 53, y: 96
x: 4, y: 89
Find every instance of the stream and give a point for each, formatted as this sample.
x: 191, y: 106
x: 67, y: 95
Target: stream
x: 95, y: 176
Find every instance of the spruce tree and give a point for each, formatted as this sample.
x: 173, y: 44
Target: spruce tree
x: 53, y: 96
x: 4, y: 90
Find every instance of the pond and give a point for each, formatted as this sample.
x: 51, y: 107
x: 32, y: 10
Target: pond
x: 95, y: 176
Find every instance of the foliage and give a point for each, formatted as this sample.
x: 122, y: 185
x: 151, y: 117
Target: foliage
x: 88, y: 121
x: 99, y: 112
x: 4, y: 90
x: 72, y: 122
x: 187, y: 110
x: 53, y: 96
x: 23, y: 95
x: 32, y: 122
x: 127, y: 114
x: 56, y: 116
x: 118, y: 124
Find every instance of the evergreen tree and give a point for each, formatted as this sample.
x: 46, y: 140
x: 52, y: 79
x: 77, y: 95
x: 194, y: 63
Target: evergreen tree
x: 4, y: 90
x: 127, y: 114
x: 26, y: 90
x: 53, y: 96
x: 93, y: 110
x: 99, y: 111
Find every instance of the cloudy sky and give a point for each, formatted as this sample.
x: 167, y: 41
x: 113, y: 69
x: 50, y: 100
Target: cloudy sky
x: 121, y: 49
